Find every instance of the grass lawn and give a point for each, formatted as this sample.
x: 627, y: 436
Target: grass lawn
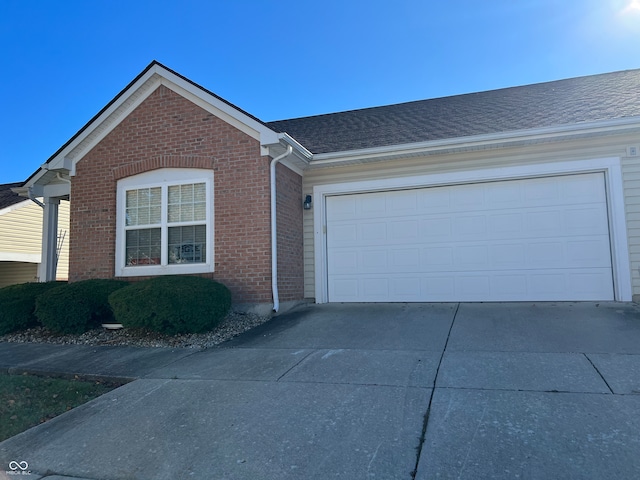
x: 27, y: 400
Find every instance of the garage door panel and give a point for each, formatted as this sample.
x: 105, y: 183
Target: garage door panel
x: 471, y: 257
x: 468, y: 197
x: 506, y: 225
x: 588, y: 251
x: 405, y: 231
x: 541, y: 192
x: 344, y: 208
x: 434, y: 200
x: 435, y: 228
x: 586, y: 220
x: 374, y: 261
x: 372, y: 233
x: 474, y: 287
x: 507, y: 255
x: 403, y: 202
x: 466, y: 226
x: 534, y: 239
x: 511, y: 287
x: 543, y: 223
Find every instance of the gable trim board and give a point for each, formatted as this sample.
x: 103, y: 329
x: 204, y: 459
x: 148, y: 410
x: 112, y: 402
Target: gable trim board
x: 609, y: 167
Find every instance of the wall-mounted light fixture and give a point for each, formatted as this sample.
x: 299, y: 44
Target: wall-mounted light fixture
x: 307, y: 202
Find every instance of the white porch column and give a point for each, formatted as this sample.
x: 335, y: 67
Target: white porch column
x: 49, y: 259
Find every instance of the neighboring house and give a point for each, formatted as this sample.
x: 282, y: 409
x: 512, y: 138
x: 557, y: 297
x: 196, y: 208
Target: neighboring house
x: 521, y: 194
x: 21, y: 238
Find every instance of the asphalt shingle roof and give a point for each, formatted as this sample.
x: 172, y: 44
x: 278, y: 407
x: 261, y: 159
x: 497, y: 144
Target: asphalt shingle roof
x: 7, y: 197
x: 563, y: 102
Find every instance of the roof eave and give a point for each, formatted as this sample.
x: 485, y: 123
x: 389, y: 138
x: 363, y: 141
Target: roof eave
x: 473, y: 142
x: 300, y: 157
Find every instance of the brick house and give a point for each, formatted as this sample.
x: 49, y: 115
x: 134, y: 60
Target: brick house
x: 522, y: 194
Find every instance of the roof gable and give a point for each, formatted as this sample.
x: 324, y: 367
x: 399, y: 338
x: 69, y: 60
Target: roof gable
x: 133, y: 95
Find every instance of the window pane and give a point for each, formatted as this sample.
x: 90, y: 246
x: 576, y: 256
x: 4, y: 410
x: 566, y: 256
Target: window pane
x: 132, y: 198
x: 199, y: 211
x: 143, y: 247
x: 155, y: 213
x: 187, y: 203
x: 143, y: 206
x: 186, y: 212
x: 155, y: 196
x: 131, y: 216
x: 174, y: 195
x: 199, y: 192
x: 186, y: 193
x: 187, y: 244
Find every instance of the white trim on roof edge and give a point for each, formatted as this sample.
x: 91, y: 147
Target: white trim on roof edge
x: 133, y: 97
x: 19, y: 257
x: 615, y: 199
x: 473, y: 142
x: 13, y: 207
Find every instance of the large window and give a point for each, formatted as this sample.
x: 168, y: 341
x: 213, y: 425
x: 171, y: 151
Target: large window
x: 165, y: 223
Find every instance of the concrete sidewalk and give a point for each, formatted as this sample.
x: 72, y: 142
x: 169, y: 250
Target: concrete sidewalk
x: 357, y: 391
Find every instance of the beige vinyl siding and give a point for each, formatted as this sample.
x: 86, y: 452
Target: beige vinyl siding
x: 21, y: 235
x: 17, y: 272
x: 21, y: 229
x: 631, y: 175
x: 578, y: 149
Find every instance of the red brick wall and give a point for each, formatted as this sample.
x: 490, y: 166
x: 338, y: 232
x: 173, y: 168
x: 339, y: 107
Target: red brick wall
x: 167, y: 130
x: 290, y: 234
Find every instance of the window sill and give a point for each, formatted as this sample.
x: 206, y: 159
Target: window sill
x: 152, y: 270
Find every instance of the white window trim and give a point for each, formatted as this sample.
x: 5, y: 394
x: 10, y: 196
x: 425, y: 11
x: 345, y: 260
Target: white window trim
x: 610, y: 166
x: 164, y: 177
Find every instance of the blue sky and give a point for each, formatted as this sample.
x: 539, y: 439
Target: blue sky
x: 62, y: 61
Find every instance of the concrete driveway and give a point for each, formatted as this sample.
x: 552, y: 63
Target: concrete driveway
x: 386, y: 391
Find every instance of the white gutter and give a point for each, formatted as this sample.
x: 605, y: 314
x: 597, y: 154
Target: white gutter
x: 274, y: 233
x: 483, y: 140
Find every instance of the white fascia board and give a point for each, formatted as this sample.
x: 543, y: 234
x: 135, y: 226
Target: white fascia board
x: 19, y: 257
x: 51, y: 190
x: 14, y: 207
x: 470, y: 142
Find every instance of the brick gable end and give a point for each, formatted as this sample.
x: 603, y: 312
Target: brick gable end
x: 168, y: 131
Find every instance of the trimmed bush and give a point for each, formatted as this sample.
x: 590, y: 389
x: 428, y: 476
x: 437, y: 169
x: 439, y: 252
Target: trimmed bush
x: 77, y: 307
x: 18, y: 303
x: 172, y: 304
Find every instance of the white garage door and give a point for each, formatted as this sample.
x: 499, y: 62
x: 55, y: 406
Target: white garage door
x: 533, y: 239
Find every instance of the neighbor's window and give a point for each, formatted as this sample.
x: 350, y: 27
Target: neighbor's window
x: 165, y: 223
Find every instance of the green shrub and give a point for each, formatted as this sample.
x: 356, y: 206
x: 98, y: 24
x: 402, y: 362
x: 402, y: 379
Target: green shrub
x: 172, y: 304
x: 17, y: 304
x: 77, y: 307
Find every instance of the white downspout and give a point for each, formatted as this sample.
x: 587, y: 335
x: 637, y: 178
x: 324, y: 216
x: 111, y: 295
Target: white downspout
x: 274, y: 233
